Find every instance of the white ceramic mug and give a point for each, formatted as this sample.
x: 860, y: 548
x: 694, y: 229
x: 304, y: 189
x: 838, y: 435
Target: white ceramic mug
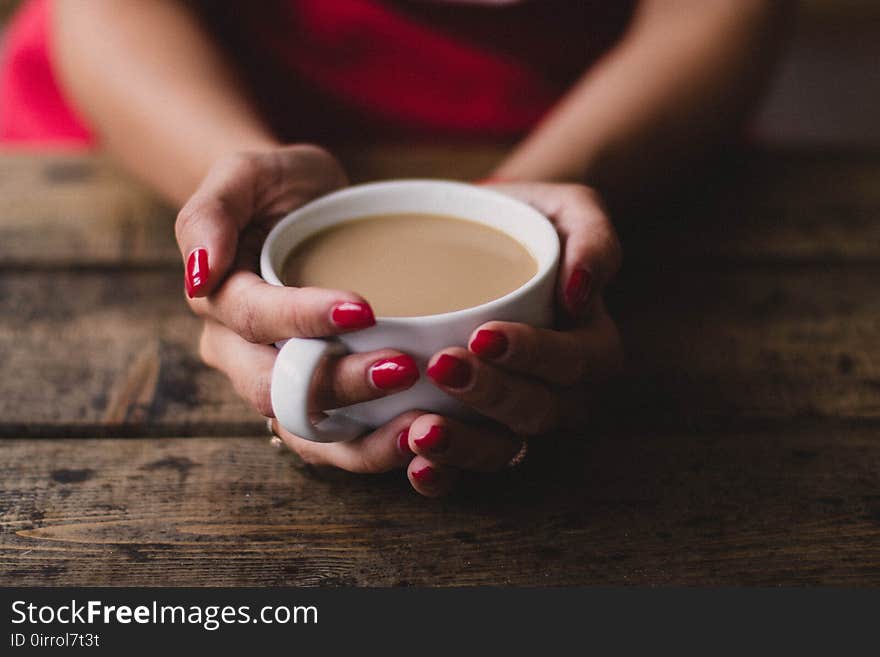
x: 420, y: 337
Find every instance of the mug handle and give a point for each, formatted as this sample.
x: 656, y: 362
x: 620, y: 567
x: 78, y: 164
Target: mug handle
x: 295, y: 366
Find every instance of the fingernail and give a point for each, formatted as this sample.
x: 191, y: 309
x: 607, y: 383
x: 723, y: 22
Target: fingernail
x: 489, y: 344
x: 352, y: 315
x: 390, y: 373
x: 435, y: 440
x: 577, y: 289
x: 426, y: 475
x: 403, y: 443
x: 197, y: 272
x: 450, y: 371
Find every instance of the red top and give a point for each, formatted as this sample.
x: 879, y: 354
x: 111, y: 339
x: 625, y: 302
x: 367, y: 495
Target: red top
x: 325, y: 69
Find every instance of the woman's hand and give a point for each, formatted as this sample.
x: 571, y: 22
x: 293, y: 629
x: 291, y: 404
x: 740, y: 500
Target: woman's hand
x: 527, y: 381
x: 220, y: 231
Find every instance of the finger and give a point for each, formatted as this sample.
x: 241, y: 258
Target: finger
x: 264, y: 313
x: 469, y: 447
x: 355, y: 378
x: 208, y: 224
x: 524, y: 405
x: 591, y: 252
x: 237, y: 189
x: 429, y: 478
x: 381, y: 450
x: 588, y: 354
x: 338, y: 381
x: 248, y: 366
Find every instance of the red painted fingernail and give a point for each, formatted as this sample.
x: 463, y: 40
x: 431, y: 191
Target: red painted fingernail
x: 489, y: 344
x: 403, y: 443
x: 426, y: 475
x: 390, y: 373
x: 450, y: 371
x: 435, y: 440
x: 577, y: 289
x: 352, y: 315
x: 197, y: 272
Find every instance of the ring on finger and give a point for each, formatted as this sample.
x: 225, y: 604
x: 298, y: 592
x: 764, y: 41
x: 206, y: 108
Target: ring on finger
x: 275, y: 441
x: 520, y: 456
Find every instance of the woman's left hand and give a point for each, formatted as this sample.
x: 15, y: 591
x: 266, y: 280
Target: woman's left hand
x: 528, y: 381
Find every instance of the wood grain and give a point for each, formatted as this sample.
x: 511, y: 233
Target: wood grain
x: 779, y: 206
x: 629, y: 508
x: 74, y: 210
x: 108, y: 353
x: 98, y: 353
x: 740, y: 448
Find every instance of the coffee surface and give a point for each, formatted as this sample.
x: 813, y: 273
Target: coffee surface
x: 406, y: 265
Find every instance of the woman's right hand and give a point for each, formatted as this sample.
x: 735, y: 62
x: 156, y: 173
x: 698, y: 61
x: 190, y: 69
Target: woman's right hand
x: 220, y: 231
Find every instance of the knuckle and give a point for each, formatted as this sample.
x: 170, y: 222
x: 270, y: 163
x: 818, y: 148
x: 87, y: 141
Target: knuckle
x: 539, y: 419
x: 369, y: 463
x: 576, y: 368
x: 308, y: 149
x: 524, y: 349
x: 299, y: 322
x: 582, y: 195
x: 325, y: 160
x: 495, y: 396
x: 248, y: 323
x: 261, y: 397
x: 241, y: 164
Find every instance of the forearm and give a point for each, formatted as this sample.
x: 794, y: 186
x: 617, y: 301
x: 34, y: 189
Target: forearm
x: 683, y: 78
x: 156, y: 89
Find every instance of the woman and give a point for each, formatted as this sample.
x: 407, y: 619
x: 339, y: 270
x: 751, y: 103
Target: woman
x: 210, y: 104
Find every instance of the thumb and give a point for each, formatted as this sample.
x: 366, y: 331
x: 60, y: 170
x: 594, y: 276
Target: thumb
x: 208, y: 225
x: 238, y: 188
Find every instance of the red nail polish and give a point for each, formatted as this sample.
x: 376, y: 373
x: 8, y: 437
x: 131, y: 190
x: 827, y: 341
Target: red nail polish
x: 450, y: 371
x: 390, y: 373
x: 426, y: 475
x: 197, y: 272
x: 403, y: 443
x: 435, y: 440
x: 577, y: 289
x: 489, y: 344
x: 352, y: 315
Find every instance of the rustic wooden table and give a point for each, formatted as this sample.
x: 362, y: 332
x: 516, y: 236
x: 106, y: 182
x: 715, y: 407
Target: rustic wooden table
x: 742, y: 449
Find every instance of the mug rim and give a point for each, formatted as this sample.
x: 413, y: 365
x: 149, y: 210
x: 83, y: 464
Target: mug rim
x: 548, y: 267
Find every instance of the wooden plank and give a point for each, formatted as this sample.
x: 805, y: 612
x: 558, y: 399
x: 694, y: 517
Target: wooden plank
x: 777, y: 206
x: 107, y: 351
x: 114, y: 352
x: 731, y: 345
x: 74, y: 209
x: 722, y: 508
x: 791, y: 205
